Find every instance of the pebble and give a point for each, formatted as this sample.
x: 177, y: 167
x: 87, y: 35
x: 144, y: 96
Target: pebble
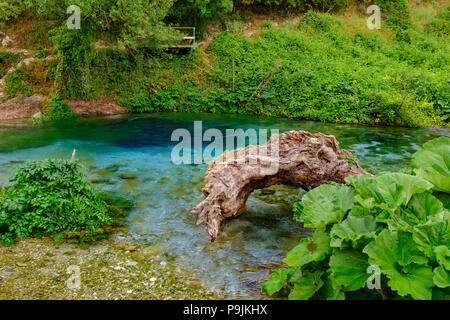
x: 128, y: 176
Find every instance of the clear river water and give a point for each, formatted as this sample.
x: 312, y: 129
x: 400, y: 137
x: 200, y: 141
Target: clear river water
x: 250, y: 246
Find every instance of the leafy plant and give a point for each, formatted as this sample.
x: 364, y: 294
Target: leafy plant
x: 58, y: 109
x: 16, y: 85
x: 51, y: 196
x: 395, y: 222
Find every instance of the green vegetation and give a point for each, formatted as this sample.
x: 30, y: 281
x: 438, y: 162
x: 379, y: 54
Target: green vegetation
x: 52, y: 197
x: 7, y: 59
x: 318, y: 67
x: 318, y: 71
x: 58, y: 109
x: 396, y: 221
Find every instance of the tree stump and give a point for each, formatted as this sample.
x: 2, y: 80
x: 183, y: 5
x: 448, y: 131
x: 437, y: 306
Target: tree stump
x: 296, y: 158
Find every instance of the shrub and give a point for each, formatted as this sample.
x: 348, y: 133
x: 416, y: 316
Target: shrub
x: 140, y: 104
x: 58, y: 109
x: 440, y: 26
x: 160, y: 101
x: 163, y: 101
x: 7, y: 59
x: 397, y: 222
x: 16, y: 85
x: 51, y: 196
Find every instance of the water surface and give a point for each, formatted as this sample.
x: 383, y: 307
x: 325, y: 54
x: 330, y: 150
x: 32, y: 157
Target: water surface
x: 250, y: 246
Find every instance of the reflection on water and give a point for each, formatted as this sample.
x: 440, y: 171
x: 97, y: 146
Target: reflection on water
x: 130, y: 155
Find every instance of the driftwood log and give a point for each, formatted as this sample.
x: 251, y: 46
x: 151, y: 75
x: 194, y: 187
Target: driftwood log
x: 296, y: 158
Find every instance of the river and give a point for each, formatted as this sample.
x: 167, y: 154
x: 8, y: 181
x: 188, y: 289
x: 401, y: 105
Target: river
x: 250, y: 246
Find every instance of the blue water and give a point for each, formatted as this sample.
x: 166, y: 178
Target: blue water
x: 250, y: 246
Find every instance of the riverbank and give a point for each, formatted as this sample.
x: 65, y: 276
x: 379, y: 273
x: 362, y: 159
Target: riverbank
x: 311, y: 66
x: 21, y: 107
x: 117, y: 268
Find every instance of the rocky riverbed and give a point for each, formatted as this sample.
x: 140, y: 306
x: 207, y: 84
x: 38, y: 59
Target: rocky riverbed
x: 116, y: 268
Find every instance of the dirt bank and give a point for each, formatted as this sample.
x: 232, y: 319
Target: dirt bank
x: 21, y: 107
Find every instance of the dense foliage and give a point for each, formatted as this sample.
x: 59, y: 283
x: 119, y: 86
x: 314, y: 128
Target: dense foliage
x: 321, y: 72
x: 318, y: 67
x: 51, y: 196
x: 397, y: 222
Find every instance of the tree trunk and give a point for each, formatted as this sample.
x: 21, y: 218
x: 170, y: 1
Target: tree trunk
x: 296, y: 158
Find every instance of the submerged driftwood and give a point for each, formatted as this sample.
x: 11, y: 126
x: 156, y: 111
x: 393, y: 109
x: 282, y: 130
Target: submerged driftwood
x: 296, y: 158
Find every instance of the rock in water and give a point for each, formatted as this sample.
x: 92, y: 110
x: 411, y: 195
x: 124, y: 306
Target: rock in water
x: 297, y: 158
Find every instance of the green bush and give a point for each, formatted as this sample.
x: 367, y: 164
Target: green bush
x: 140, y: 104
x: 16, y: 85
x: 7, y: 60
x: 397, y: 222
x: 320, y: 71
x: 51, y: 196
x: 440, y: 26
x: 58, y: 109
x: 160, y: 101
x: 398, y: 17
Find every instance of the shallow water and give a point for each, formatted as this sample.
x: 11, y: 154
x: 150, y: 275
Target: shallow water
x: 250, y: 246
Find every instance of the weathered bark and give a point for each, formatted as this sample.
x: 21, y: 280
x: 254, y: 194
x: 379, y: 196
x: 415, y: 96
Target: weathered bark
x: 304, y: 159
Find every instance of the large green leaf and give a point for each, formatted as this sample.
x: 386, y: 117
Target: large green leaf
x: 331, y: 290
x: 354, y: 230
x: 417, y: 282
x: 349, y: 268
x: 275, y: 282
x: 305, y: 287
x: 441, y: 277
x: 309, y: 249
x: 387, y: 192
x: 326, y: 204
x: 444, y: 198
x: 443, y: 256
x: 423, y: 208
x: 432, y: 163
x: 432, y: 235
x: 408, y: 250
x: 396, y: 188
x: 361, y: 182
x: 412, y: 279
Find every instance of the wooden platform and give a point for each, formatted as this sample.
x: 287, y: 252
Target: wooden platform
x: 188, y: 40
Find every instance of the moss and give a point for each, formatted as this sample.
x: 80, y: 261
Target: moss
x: 128, y: 176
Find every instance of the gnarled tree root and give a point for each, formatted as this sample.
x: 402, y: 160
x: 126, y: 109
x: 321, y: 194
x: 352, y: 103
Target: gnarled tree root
x: 297, y: 158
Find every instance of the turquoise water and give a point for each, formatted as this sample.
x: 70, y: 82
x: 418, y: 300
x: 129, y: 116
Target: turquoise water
x: 250, y: 246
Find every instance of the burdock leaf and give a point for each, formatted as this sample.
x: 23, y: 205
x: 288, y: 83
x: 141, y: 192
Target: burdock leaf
x: 309, y: 249
x: 326, y: 204
x: 331, y: 290
x: 443, y: 256
x: 412, y: 279
x: 306, y: 286
x: 353, y: 229
x: 431, y: 235
x: 408, y: 250
x: 275, y: 282
x: 422, y: 208
x: 432, y: 162
x: 441, y: 277
x: 349, y: 268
